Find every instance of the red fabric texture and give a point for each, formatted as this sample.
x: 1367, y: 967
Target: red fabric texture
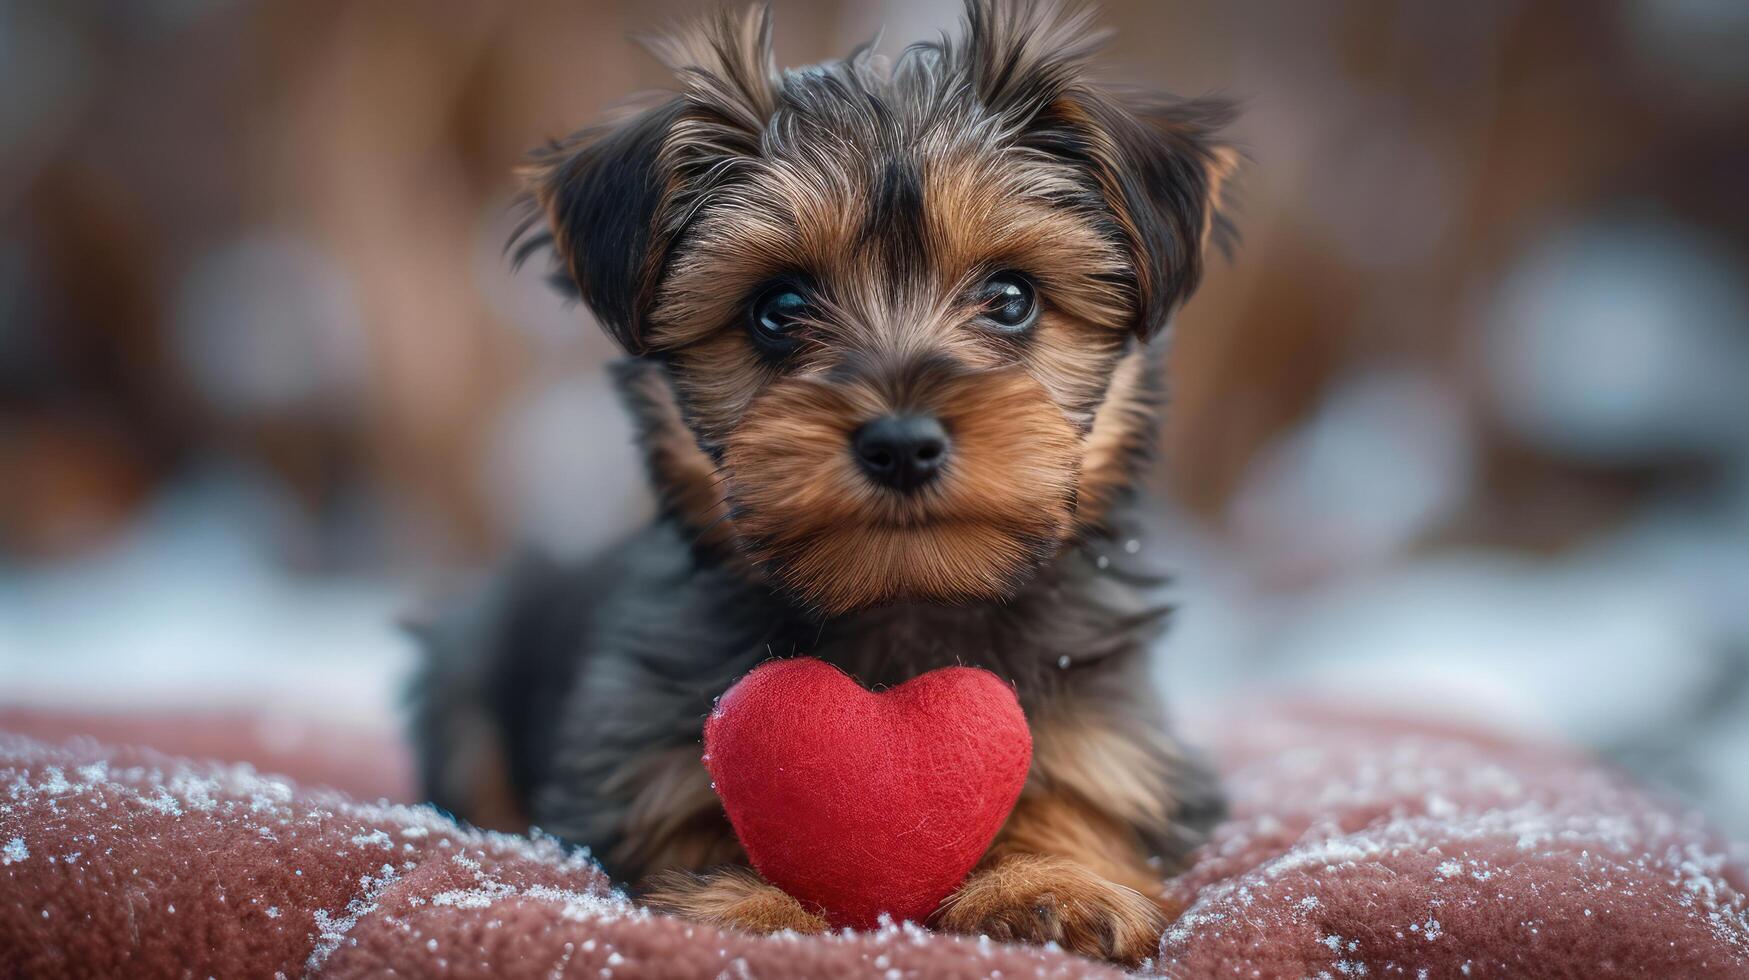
x: 1357, y: 849
x: 126, y: 863
x: 867, y: 803
x: 1362, y: 848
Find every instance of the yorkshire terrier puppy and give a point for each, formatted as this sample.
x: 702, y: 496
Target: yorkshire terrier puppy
x: 895, y: 366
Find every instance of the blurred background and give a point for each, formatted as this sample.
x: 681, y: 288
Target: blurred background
x: 1462, y: 430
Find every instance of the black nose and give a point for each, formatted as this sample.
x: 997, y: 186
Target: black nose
x: 901, y: 451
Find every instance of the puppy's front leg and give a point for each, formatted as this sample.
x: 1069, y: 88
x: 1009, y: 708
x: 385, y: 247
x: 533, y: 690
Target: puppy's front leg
x: 1061, y: 873
x: 731, y: 898
x: 1109, y: 789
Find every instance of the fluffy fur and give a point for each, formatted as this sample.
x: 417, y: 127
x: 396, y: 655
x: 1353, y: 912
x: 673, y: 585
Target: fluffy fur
x: 889, y: 196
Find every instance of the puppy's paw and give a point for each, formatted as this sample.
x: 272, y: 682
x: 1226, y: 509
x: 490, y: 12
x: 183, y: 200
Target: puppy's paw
x: 1034, y: 898
x: 730, y: 898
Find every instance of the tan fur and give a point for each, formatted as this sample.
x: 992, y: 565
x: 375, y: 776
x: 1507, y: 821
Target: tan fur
x: 1040, y: 898
x: 691, y: 485
x: 839, y: 542
x: 731, y: 898
x: 1067, y: 865
x: 1082, y: 756
x: 1067, y: 827
x: 1223, y: 166
x: 1092, y: 783
x: 1122, y: 433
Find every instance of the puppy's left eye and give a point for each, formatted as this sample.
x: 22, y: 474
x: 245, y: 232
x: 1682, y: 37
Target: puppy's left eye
x: 1009, y: 302
x: 773, y: 319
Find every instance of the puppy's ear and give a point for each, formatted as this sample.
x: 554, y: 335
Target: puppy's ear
x: 1165, y: 175
x: 601, y: 193
x: 1157, y: 164
x: 615, y: 197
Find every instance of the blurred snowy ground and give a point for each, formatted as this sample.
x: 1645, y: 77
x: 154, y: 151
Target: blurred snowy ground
x: 193, y: 610
x: 1621, y: 343
x: 1636, y: 646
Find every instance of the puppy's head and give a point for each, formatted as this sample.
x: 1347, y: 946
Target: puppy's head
x: 894, y: 323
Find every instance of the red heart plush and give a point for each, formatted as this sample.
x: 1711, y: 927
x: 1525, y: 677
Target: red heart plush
x: 861, y: 803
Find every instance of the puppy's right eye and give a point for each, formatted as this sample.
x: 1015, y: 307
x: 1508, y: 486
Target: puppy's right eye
x: 1010, y: 302
x: 774, y: 317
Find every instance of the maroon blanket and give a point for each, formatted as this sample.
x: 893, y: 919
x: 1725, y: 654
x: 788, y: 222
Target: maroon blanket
x: 1364, y: 850
x: 1356, y: 850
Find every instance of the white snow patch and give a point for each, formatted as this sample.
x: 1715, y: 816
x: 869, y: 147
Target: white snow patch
x: 55, y: 781
x: 374, y: 838
x: 163, y: 803
x: 331, y: 929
